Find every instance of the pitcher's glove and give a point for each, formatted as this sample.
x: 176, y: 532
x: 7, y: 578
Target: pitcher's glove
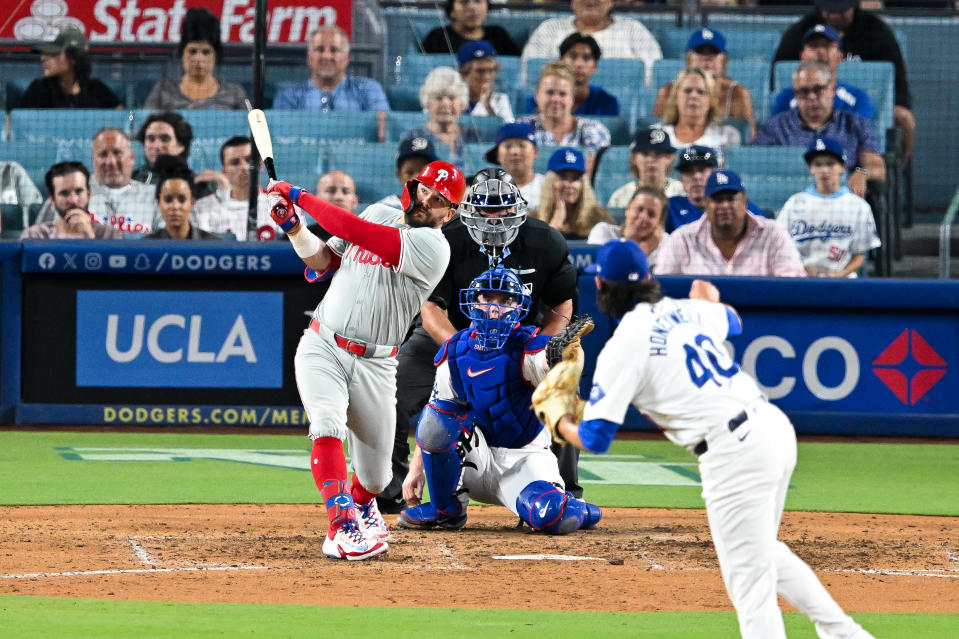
x: 568, y: 339
x: 558, y: 393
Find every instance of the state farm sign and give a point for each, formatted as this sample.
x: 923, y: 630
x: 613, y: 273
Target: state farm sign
x: 146, y: 21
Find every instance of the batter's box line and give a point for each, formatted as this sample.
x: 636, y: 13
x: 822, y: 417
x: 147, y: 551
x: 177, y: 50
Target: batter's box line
x: 128, y: 571
x: 148, y: 560
x: 941, y: 574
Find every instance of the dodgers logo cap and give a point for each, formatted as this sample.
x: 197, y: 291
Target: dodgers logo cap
x: 706, y: 38
x: 828, y: 146
x: 620, y: 260
x: 823, y: 30
x: 513, y: 130
x: 566, y: 158
x: 723, y: 180
x: 475, y: 50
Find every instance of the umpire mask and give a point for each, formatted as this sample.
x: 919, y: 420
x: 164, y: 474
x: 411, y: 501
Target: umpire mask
x: 493, y: 209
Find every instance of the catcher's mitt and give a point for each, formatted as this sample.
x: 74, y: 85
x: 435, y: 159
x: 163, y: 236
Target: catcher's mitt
x: 568, y: 339
x: 558, y: 393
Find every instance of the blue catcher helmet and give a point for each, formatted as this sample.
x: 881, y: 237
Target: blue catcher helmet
x: 494, y: 321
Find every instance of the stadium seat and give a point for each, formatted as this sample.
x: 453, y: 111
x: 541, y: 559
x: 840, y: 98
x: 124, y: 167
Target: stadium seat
x: 333, y: 125
x: 372, y: 167
x: 45, y: 125
x: 403, y: 97
x: 397, y: 122
x: 619, y: 129
x: 11, y: 221
x: 612, y: 72
x: 300, y: 162
x: 770, y: 173
x: 612, y: 171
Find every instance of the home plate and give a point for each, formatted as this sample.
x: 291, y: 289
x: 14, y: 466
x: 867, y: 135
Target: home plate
x: 546, y: 557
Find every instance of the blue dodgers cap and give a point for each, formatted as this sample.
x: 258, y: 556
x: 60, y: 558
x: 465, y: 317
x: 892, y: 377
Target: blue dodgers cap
x: 566, y: 158
x: 823, y: 30
x: 513, y: 130
x: 828, y: 146
x: 723, y: 180
x: 475, y: 50
x: 620, y: 260
x: 706, y: 37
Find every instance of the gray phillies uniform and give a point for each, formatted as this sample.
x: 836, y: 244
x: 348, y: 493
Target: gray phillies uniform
x: 370, y: 302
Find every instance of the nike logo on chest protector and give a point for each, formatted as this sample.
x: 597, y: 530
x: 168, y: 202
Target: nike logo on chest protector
x: 472, y: 373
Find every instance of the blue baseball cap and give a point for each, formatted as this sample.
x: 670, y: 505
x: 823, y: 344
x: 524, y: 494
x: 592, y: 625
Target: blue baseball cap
x: 475, y: 50
x: 723, y: 180
x: 620, y: 260
x: 823, y: 30
x: 566, y: 158
x: 829, y: 146
x: 706, y: 37
x: 513, y: 130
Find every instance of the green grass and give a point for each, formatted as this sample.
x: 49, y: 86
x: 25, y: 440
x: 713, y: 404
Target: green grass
x: 42, y: 617
x: 842, y: 477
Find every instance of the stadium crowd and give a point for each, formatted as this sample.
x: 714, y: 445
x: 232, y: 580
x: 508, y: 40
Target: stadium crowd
x: 542, y: 109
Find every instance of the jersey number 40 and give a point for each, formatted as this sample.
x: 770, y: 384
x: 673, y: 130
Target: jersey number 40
x: 705, y: 362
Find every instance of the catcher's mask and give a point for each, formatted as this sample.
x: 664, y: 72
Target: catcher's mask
x: 493, y: 209
x: 494, y: 321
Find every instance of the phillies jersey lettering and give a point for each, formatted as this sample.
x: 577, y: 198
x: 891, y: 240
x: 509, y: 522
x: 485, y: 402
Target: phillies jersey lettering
x: 373, y: 301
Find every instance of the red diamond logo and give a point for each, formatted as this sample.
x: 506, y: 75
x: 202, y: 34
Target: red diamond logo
x: 932, y: 367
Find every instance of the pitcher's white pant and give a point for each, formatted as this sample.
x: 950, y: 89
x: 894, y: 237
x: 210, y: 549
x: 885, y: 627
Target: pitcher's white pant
x: 351, y: 398
x: 745, y: 477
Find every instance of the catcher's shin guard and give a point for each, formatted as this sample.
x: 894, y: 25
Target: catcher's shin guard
x: 443, y: 472
x: 548, y: 509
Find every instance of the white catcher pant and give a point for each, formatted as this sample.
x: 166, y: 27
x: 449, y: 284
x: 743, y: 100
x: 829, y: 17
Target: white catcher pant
x: 498, y: 475
x: 350, y: 398
x: 745, y: 477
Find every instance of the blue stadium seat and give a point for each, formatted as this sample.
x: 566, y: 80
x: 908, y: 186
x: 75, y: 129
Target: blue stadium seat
x: 34, y: 158
x: 771, y: 173
x: 312, y: 125
x: 542, y: 158
x: 403, y: 97
x: 410, y: 70
x: 372, y: 167
x: 397, y: 122
x: 45, y: 125
x: 878, y: 79
x: 612, y: 72
x: 665, y: 70
x: 618, y: 125
x: 612, y: 172
x: 300, y: 162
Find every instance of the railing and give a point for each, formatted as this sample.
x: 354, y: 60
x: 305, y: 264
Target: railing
x: 945, y: 237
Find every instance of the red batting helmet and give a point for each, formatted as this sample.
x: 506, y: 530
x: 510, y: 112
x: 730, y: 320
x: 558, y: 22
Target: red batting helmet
x: 442, y: 176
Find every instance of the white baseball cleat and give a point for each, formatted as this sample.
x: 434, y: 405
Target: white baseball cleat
x: 372, y: 524
x: 350, y: 544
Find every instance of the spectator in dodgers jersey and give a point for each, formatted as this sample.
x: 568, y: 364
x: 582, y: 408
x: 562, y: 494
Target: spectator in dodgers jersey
x: 466, y: 25
x: 729, y: 240
x: 330, y: 87
x: 617, y: 37
x: 581, y: 53
x: 706, y: 49
x: 226, y: 210
x: 822, y: 43
x: 66, y: 81
x: 515, y: 151
x: 174, y: 195
x: 866, y: 37
x: 68, y: 186
x: 411, y: 156
x: 832, y: 227
x: 642, y: 223
x: 815, y: 88
x: 650, y: 159
x: 696, y: 163
x: 479, y: 67
x: 200, y: 50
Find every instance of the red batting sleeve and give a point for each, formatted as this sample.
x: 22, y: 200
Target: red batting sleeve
x: 377, y: 238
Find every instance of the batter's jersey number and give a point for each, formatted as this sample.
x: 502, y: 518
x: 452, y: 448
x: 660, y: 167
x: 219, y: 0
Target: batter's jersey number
x: 705, y: 362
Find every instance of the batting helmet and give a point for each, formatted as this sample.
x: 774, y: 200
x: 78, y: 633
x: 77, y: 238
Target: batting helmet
x: 493, y: 209
x: 442, y: 176
x: 493, y: 322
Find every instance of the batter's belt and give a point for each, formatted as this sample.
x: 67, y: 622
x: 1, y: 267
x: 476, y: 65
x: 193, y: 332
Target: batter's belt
x: 360, y: 349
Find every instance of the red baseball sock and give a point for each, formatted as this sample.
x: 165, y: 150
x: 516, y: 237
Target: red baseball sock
x: 328, y: 465
x: 360, y: 494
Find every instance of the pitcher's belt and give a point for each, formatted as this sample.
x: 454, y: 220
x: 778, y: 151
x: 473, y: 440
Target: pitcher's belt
x: 360, y: 349
x: 733, y: 424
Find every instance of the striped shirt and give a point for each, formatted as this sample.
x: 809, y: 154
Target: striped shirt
x: 765, y: 250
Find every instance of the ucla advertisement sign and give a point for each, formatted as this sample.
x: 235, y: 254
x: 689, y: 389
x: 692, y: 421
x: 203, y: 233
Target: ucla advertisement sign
x: 174, y: 339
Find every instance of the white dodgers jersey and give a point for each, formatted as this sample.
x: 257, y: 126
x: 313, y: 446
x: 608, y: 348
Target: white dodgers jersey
x: 374, y: 301
x: 668, y: 360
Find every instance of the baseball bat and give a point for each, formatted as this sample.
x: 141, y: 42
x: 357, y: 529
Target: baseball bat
x: 261, y: 137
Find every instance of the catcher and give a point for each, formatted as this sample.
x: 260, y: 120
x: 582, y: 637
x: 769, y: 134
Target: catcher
x: 478, y: 437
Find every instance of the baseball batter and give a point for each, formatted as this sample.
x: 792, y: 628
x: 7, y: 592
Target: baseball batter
x: 478, y: 437
x: 667, y: 359
x: 385, y: 263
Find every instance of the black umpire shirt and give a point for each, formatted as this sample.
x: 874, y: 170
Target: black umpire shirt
x: 868, y: 38
x: 539, y: 255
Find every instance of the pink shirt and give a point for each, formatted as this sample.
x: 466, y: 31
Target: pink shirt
x: 765, y: 250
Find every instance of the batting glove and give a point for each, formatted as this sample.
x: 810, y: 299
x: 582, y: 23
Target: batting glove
x: 286, y: 190
x: 284, y: 214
